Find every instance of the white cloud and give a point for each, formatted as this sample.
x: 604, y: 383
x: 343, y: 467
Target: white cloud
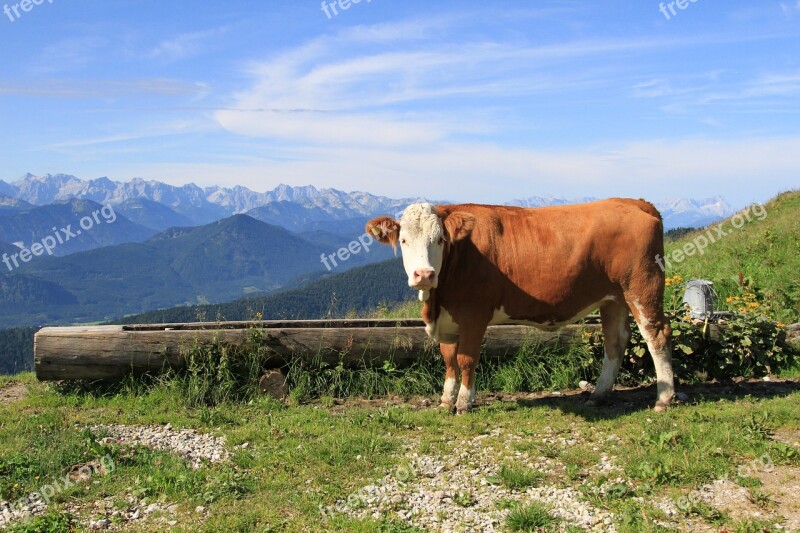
x: 73, y: 88
x: 185, y: 45
x: 788, y: 8
x: 776, y: 91
x: 358, y: 85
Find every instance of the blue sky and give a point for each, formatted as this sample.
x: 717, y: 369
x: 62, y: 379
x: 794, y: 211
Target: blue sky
x: 459, y: 100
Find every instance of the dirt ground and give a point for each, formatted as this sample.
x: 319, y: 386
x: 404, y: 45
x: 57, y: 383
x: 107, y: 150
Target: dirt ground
x: 13, y: 392
x: 622, y: 400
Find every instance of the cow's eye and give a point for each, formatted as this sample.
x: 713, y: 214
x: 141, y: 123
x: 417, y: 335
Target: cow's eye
x: 441, y: 241
x: 402, y: 241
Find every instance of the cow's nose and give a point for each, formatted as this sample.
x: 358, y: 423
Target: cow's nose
x: 424, y: 276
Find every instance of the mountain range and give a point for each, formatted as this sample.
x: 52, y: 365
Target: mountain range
x: 200, y: 205
x: 157, y: 205
x: 677, y: 212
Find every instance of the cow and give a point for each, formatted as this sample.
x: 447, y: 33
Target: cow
x: 478, y: 265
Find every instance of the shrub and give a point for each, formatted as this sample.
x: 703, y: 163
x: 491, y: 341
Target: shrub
x: 745, y: 345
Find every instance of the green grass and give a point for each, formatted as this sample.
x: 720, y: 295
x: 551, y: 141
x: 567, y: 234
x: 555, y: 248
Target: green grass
x: 301, y: 456
x: 520, y: 477
x: 530, y: 518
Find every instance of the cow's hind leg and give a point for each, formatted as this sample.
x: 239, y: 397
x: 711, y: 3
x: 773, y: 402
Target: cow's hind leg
x: 657, y: 332
x: 616, y: 333
x: 658, y: 337
x: 450, y: 356
x: 469, y: 351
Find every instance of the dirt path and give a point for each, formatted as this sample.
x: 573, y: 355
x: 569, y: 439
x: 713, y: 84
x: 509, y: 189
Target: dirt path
x: 13, y: 392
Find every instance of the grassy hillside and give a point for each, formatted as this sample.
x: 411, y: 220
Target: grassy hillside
x: 724, y: 458
x: 766, y: 251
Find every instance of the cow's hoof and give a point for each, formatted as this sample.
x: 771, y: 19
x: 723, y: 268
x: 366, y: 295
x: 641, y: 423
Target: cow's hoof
x: 596, y: 401
x: 449, y: 407
x: 463, y: 409
x: 660, y: 407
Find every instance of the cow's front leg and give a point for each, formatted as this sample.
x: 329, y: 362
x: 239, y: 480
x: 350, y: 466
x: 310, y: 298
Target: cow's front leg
x: 450, y: 356
x: 469, y: 351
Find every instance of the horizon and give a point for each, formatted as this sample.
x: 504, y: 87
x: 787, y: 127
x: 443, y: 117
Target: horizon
x: 563, y: 100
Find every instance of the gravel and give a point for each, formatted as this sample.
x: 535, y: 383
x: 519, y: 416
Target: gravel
x: 113, y: 515
x: 19, y: 513
x: 458, y: 492
x: 188, y: 443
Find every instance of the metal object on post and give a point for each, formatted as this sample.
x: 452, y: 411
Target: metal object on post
x: 699, y: 296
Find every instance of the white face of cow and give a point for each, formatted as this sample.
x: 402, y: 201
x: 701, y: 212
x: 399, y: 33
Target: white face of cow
x: 422, y: 235
x: 422, y: 243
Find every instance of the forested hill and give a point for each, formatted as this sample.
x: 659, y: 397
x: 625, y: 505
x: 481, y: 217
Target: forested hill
x: 16, y: 350
x: 357, y: 290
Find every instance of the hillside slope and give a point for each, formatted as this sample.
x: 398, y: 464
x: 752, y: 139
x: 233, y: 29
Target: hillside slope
x: 765, y: 250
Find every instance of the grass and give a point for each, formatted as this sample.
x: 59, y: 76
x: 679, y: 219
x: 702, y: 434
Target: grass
x: 533, y: 517
x: 520, y: 477
x: 303, y: 455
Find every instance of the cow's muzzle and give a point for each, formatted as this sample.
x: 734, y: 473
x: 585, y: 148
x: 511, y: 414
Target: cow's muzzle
x: 423, y: 279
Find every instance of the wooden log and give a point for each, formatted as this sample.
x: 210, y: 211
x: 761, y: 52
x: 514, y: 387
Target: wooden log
x: 111, y: 352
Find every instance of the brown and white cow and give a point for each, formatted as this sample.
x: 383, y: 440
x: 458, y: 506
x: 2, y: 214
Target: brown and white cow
x: 478, y: 265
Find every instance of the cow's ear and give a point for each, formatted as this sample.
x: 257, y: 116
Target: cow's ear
x: 458, y: 225
x: 385, y: 230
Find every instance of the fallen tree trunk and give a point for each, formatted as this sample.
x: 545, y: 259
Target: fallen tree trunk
x: 110, y: 352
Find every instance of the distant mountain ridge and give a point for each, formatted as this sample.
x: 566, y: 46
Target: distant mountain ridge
x: 201, y: 205
x: 678, y: 212
x: 685, y: 212
x: 298, y: 209
x: 10, y: 205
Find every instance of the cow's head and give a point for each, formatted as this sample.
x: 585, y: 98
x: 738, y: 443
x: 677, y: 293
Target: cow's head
x: 423, y: 233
